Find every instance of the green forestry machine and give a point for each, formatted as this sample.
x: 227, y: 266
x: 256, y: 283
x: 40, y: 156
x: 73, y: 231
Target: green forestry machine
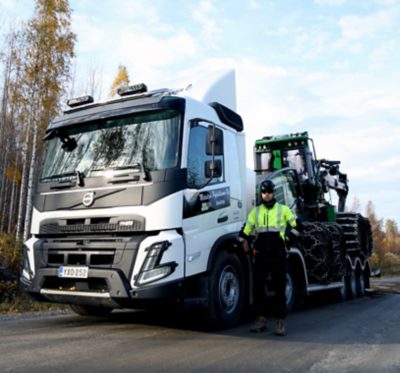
x: 335, y: 245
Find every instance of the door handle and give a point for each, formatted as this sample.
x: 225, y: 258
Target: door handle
x: 222, y: 219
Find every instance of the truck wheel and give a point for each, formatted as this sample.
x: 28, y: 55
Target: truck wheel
x: 90, y: 310
x: 290, y: 291
x: 226, y: 290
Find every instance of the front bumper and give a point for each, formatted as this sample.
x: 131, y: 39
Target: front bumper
x: 103, y: 287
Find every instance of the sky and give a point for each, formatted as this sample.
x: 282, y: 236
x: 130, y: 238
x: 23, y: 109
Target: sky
x: 329, y: 67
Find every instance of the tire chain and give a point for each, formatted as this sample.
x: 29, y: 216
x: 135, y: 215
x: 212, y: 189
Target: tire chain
x: 321, y: 244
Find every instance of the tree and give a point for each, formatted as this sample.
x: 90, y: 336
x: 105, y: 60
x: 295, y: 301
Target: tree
x: 12, y: 108
x: 46, y: 69
x: 391, y: 242
x: 356, y: 205
x: 120, y: 81
x: 378, y: 235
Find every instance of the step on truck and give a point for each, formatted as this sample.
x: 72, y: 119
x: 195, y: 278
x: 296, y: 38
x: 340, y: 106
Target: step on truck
x: 140, y: 201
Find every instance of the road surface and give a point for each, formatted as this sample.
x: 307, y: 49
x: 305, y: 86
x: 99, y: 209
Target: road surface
x: 361, y: 335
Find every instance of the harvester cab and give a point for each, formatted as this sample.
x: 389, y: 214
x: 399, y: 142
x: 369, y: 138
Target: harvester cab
x: 301, y: 180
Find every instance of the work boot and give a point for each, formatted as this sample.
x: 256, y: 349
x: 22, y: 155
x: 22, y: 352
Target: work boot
x: 280, y: 327
x: 260, y: 325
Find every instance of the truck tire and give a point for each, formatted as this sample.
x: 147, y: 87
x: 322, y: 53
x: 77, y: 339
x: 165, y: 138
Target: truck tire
x: 291, y: 290
x: 90, y: 310
x: 226, y: 290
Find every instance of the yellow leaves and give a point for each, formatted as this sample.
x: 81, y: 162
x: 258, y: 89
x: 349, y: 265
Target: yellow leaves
x: 12, y: 172
x: 121, y: 80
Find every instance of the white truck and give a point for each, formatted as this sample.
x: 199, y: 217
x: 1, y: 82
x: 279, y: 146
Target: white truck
x: 140, y: 201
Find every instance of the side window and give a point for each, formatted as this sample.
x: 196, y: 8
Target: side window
x: 279, y: 194
x: 197, y: 159
x: 285, y: 189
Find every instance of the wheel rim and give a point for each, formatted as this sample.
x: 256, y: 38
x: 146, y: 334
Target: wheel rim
x: 229, y: 289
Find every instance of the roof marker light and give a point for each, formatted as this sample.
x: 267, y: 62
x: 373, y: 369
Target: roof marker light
x: 132, y: 89
x: 78, y: 101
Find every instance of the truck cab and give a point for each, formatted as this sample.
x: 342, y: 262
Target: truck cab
x: 139, y: 201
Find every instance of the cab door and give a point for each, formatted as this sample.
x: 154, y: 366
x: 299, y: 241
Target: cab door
x: 207, y: 197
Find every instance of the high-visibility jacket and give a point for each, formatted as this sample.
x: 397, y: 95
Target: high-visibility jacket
x: 273, y: 220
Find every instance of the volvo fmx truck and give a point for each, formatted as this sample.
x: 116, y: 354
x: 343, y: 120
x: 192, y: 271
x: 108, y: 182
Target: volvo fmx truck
x: 141, y: 199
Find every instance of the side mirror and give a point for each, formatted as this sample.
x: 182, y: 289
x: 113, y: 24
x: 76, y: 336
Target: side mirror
x: 215, y: 141
x: 68, y: 143
x: 213, y: 169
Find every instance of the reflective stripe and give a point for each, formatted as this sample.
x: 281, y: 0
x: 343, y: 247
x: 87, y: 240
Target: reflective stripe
x: 295, y: 232
x: 278, y: 218
x: 257, y: 216
x: 266, y: 230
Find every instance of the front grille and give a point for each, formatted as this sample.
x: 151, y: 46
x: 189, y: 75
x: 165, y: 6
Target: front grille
x: 80, y: 257
x: 97, y: 252
x: 55, y: 228
x: 92, y: 225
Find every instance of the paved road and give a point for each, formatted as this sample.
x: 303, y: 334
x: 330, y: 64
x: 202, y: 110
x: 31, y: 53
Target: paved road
x: 362, y: 335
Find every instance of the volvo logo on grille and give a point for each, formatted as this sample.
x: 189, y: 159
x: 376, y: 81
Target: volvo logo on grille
x: 88, y: 199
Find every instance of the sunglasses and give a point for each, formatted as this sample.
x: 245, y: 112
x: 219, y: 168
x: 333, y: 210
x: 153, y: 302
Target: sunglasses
x: 266, y: 192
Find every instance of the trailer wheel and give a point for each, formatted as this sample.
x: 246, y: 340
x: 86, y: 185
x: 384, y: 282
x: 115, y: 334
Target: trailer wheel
x: 351, y: 284
x: 360, y: 279
x: 226, y: 290
x: 90, y: 310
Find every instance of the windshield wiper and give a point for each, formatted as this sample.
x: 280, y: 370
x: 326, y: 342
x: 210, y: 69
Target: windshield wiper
x: 58, y: 176
x: 135, y: 167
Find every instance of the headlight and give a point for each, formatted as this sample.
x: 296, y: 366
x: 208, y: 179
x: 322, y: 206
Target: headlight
x: 151, y: 269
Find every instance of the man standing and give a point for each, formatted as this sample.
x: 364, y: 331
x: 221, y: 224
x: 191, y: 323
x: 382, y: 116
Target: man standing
x: 268, y: 222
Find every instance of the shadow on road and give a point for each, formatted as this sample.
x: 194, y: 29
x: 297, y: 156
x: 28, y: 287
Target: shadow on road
x: 321, y: 319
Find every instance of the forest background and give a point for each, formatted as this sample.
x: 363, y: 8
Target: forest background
x: 36, y: 59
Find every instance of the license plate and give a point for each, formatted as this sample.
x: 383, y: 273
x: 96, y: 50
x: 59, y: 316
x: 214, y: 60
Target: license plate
x: 73, y: 272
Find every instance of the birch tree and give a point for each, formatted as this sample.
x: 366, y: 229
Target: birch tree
x: 50, y: 49
x: 11, y: 107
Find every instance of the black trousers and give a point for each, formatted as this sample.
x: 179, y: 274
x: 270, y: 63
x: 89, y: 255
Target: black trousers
x: 271, y: 261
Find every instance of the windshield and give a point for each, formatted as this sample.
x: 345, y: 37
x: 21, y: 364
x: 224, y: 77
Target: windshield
x: 149, y: 141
